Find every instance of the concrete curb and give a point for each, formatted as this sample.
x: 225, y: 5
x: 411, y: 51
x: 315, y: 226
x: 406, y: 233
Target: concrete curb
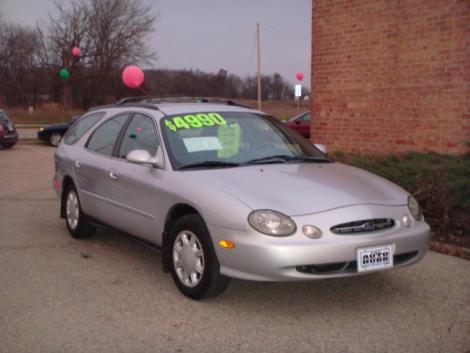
x: 30, y: 141
x: 29, y: 126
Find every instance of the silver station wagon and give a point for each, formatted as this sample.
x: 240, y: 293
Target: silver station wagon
x: 222, y: 190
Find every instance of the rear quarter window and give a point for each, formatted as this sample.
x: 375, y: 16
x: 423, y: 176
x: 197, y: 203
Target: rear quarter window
x: 80, y: 127
x: 3, y: 117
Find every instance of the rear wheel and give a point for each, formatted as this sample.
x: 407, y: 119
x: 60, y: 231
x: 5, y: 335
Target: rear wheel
x: 78, y: 224
x: 194, y: 265
x: 55, y: 139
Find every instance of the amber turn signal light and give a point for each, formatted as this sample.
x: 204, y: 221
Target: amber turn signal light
x: 226, y: 244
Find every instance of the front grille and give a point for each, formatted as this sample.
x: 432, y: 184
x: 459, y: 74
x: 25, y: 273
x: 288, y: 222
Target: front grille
x: 364, y: 226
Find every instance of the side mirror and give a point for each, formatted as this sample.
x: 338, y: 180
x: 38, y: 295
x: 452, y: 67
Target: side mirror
x: 144, y: 157
x: 321, y: 147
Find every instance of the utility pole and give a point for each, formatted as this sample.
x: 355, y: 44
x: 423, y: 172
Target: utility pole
x: 259, y: 66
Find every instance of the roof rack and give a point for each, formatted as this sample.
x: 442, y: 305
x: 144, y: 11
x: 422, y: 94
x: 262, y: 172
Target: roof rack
x: 129, y: 105
x: 162, y: 100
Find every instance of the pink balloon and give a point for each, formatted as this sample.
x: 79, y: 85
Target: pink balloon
x: 76, y: 52
x: 300, y: 76
x: 133, y: 76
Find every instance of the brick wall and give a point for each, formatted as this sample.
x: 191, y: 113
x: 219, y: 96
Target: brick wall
x: 391, y: 75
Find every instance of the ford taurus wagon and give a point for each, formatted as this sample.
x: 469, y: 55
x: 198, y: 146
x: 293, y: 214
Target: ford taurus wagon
x: 224, y: 191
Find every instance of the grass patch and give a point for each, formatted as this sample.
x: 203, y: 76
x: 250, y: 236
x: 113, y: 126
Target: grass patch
x: 440, y: 183
x: 53, y: 113
x: 50, y: 113
x: 282, y: 110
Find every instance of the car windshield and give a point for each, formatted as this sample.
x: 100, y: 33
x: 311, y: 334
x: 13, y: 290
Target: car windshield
x: 4, y: 117
x: 231, y: 139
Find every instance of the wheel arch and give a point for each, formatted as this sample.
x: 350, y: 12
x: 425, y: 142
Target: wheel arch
x: 175, y: 212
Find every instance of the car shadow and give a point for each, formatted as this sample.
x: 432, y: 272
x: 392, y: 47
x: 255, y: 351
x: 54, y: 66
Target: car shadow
x: 354, y: 294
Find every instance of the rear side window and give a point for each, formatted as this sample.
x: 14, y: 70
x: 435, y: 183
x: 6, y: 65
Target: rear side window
x: 140, y: 135
x: 4, y: 117
x: 105, y: 136
x: 81, y: 127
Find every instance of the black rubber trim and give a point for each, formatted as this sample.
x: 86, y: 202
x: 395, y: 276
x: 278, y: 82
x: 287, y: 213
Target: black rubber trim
x: 155, y: 248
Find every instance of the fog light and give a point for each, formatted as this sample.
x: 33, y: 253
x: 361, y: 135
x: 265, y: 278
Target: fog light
x: 311, y: 231
x: 226, y: 244
x: 406, y: 221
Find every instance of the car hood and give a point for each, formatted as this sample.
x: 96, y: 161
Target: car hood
x: 299, y: 189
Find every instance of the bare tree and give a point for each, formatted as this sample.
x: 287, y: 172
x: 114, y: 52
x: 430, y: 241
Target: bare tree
x: 110, y: 34
x: 118, y: 31
x: 20, y: 64
x: 68, y: 28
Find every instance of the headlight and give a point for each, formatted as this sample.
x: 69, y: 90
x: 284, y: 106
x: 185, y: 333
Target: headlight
x: 271, y: 223
x: 41, y: 129
x: 415, y: 210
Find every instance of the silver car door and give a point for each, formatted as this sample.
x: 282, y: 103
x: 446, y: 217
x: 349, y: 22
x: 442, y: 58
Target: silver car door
x: 135, y: 186
x: 94, y: 166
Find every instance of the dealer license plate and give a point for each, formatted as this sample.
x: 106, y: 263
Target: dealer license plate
x: 374, y: 258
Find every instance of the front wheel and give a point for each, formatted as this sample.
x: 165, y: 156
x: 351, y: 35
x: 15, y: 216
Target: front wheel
x: 55, y: 139
x: 78, y: 224
x: 194, y: 265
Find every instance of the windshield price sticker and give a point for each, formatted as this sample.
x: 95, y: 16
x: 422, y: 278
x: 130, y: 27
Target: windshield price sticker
x: 195, y: 121
x: 229, y: 137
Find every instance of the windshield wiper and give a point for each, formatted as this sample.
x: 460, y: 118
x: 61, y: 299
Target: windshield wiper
x: 311, y: 159
x: 209, y: 164
x: 281, y: 158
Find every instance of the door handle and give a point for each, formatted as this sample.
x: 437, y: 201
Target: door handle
x: 113, y: 175
x: 78, y: 164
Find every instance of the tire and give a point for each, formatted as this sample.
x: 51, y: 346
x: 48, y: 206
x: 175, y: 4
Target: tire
x: 193, y: 262
x: 55, y: 139
x: 78, y: 224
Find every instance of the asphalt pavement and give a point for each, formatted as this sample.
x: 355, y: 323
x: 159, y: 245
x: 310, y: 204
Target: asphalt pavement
x: 109, y: 294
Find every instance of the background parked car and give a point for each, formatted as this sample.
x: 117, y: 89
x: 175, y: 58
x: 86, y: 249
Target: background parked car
x: 300, y: 123
x: 8, y: 133
x: 54, y: 133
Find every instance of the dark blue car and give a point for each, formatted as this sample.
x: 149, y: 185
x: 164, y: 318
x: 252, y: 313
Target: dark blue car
x: 53, y: 133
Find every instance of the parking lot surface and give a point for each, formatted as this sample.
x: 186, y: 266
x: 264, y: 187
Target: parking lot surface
x: 109, y: 294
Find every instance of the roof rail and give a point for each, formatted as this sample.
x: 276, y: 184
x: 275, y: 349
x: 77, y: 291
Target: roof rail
x: 129, y: 105
x: 133, y: 99
x: 162, y: 100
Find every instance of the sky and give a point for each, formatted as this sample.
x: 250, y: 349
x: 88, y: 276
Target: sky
x: 214, y: 34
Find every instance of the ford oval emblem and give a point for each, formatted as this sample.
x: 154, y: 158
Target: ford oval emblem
x: 368, y: 226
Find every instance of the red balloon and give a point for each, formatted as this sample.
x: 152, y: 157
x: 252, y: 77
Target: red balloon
x: 133, y: 76
x: 76, y: 52
x: 300, y: 76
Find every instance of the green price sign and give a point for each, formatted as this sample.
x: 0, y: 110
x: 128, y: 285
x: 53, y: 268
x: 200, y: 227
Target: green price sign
x: 194, y: 121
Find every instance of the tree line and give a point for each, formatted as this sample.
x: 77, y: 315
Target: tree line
x: 111, y: 34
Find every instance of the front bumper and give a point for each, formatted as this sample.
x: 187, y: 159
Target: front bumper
x: 265, y: 258
x: 43, y: 135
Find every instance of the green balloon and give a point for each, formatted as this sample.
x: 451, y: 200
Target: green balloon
x: 64, y: 73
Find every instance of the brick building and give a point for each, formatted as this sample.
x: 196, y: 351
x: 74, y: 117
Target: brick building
x: 391, y: 75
